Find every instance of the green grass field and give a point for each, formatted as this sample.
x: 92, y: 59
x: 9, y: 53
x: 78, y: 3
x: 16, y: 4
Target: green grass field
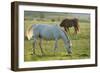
x: 80, y: 46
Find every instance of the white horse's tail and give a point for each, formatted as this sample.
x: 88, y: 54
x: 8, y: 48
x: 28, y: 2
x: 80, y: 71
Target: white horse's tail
x: 29, y: 32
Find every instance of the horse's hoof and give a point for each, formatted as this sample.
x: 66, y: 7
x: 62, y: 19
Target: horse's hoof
x: 68, y: 55
x: 32, y: 54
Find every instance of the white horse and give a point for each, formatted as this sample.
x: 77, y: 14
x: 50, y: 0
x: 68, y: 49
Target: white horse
x: 50, y: 32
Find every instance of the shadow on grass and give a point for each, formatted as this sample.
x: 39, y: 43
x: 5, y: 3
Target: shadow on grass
x: 83, y: 55
x: 50, y: 57
x: 58, y: 55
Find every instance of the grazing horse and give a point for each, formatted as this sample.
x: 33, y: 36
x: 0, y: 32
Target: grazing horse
x: 67, y: 23
x: 50, y: 32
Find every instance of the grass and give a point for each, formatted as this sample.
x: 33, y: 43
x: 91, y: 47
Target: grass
x: 80, y: 46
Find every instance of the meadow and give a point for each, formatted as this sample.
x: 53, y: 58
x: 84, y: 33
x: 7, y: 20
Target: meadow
x: 80, y: 44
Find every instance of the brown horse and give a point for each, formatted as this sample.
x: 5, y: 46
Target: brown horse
x: 67, y: 23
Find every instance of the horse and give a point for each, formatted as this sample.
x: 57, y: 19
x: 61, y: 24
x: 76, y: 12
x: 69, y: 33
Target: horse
x: 49, y: 32
x: 67, y: 23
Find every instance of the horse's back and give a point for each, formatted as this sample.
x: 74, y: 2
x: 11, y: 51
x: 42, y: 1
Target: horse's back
x: 49, y: 32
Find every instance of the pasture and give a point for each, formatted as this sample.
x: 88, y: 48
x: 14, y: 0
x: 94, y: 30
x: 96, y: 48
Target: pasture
x: 80, y: 44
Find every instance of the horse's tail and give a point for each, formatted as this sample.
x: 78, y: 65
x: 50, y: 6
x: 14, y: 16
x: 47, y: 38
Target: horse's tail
x: 29, y: 32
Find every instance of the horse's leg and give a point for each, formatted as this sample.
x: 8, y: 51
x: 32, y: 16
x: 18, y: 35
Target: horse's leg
x: 56, y: 46
x: 41, y: 46
x: 68, y: 48
x: 34, y: 45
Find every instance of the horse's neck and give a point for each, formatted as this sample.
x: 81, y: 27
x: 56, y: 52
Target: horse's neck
x: 65, y: 38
